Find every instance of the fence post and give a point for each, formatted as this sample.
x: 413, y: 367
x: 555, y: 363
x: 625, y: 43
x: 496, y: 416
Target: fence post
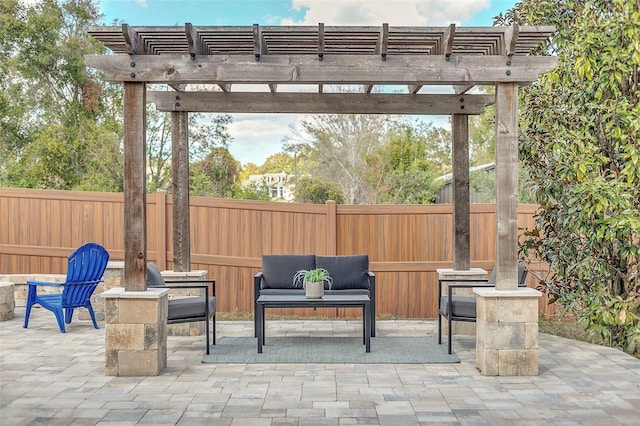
x: 332, y: 235
x: 161, y: 229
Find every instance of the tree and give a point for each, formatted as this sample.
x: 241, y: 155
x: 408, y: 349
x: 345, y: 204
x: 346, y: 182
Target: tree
x: 438, y: 146
x: 335, y: 148
x: 248, y: 170
x: 216, y: 175
x: 581, y: 145
x: 310, y: 190
x: 277, y: 163
x: 252, y: 191
x: 482, y: 137
x: 60, y: 129
x: 400, y: 170
x: 205, y: 133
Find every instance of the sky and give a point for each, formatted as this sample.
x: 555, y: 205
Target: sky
x: 257, y: 136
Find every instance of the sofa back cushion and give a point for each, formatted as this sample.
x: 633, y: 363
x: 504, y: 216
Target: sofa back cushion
x: 348, y: 272
x: 278, y: 269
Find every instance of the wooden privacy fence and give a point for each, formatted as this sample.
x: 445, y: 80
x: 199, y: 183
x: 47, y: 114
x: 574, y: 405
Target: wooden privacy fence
x: 405, y: 243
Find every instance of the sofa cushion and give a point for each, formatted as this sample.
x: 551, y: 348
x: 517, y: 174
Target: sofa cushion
x: 348, y: 272
x: 278, y: 269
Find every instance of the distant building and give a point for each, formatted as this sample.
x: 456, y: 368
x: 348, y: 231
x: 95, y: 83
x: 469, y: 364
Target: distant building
x: 278, y: 184
x: 484, y: 193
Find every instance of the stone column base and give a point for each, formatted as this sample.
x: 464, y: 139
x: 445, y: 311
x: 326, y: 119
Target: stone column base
x: 135, y: 332
x: 507, y: 332
x: 459, y: 328
x: 188, y: 328
x: 7, y: 301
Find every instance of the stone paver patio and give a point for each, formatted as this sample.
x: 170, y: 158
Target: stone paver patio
x: 53, y: 378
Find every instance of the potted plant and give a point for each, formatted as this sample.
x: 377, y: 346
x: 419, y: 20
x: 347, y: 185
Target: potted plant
x: 313, y: 282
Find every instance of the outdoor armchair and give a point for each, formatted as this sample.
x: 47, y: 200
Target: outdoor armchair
x: 462, y: 307
x: 187, y: 309
x: 85, y: 268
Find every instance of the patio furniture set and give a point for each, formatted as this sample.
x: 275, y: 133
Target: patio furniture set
x: 353, y: 285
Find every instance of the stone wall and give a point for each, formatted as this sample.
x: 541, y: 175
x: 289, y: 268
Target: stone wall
x: 7, y: 300
x: 112, y: 278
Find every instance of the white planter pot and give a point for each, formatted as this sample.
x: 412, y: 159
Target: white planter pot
x: 314, y: 290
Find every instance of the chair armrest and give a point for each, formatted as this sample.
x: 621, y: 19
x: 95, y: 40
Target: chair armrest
x: 45, y: 283
x: 257, y: 279
x: 470, y: 285
x: 205, y: 287
x: 193, y: 284
x: 453, y: 280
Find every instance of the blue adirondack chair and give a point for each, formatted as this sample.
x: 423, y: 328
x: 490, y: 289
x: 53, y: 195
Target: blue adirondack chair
x: 84, y: 272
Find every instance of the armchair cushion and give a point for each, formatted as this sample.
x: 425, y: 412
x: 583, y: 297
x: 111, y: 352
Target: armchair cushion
x: 461, y: 306
x: 278, y: 270
x: 190, y: 307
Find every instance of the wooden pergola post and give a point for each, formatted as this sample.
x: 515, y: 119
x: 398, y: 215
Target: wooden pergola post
x: 135, y: 186
x: 507, y: 316
x: 506, y: 186
x: 136, y: 317
x: 460, y: 155
x: 180, y: 190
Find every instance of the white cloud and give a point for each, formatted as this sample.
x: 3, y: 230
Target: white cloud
x: 393, y: 12
x: 257, y: 136
x: 142, y: 3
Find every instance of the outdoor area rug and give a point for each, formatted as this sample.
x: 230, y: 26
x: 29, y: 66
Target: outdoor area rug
x: 330, y: 350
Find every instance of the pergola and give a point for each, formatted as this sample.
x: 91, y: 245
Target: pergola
x: 204, y: 65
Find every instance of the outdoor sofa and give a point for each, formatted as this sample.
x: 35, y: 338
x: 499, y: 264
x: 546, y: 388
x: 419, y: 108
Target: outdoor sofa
x: 350, y: 275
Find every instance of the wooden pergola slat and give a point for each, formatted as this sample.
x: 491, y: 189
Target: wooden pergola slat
x: 228, y: 40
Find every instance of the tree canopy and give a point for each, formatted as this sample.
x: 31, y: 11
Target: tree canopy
x: 61, y: 124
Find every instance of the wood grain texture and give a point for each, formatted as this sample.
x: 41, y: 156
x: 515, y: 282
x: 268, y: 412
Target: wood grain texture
x: 135, y: 187
x: 506, y: 187
x: 339, y: 69
x: 460, y: 134
x: 180, y: 187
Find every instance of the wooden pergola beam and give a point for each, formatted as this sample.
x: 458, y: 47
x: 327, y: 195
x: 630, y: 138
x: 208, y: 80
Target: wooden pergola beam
x: 320, y: 103
x: 299, y: 69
